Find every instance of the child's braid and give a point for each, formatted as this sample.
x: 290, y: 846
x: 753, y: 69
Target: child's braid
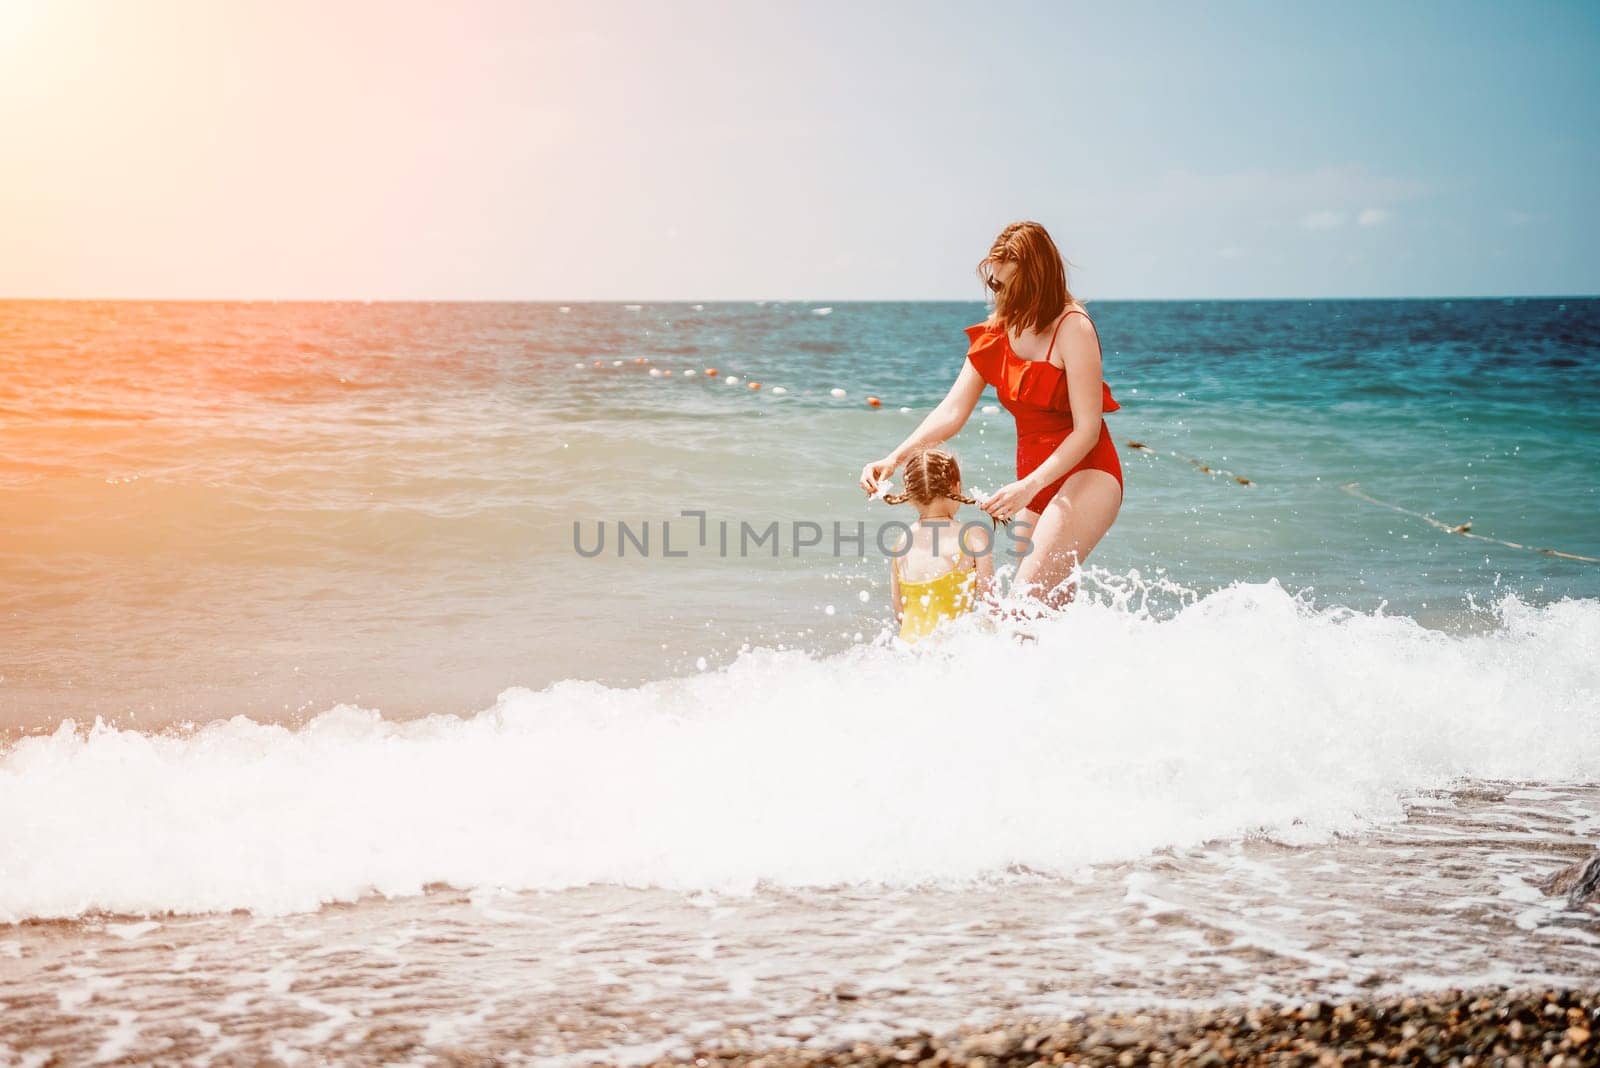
x: 930, y: 474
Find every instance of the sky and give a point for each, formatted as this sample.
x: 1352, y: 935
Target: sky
x: 343, y: 149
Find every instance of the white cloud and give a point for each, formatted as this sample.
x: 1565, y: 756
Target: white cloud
x: 1260, y: 231
x: 1373, y: 217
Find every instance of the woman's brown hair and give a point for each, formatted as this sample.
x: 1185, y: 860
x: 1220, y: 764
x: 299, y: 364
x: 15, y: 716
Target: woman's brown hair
x: 1037, y: 294
x: 930, y: 475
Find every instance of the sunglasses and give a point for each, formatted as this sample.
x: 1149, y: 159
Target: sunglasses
x: 994, y: 284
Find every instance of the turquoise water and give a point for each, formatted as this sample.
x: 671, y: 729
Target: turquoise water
x: 682, y: 796
x: 267, y: 509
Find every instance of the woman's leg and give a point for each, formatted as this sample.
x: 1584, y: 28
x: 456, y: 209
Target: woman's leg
x: 1072, y: 525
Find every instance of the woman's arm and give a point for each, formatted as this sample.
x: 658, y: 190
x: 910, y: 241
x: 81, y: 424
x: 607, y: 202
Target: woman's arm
x: 941, y: 424
x: 1081, y: 359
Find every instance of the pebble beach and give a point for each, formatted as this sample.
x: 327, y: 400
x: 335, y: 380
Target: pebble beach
x: 1517, y: 1029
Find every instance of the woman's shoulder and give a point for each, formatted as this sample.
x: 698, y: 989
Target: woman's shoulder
x: 1077, y: 313
x: 985, y: 343
x: 1076, y: 326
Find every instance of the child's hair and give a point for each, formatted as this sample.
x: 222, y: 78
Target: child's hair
x: 930, y: 475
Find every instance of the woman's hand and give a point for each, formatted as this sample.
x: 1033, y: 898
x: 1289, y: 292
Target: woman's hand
x: 876, y: 472
x: 1007, y: 501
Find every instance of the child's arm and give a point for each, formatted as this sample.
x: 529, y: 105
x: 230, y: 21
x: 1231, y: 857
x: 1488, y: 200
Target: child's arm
x: 894, y: 584
x: 980, y: 545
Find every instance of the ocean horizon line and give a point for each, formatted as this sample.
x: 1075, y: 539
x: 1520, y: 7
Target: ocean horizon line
x: 829, y: 301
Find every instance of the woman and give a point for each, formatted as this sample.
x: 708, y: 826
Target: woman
x: 1042, y: 354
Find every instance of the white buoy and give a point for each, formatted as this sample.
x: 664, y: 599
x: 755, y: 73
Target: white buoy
x: 616, y: 363
x: 689, y: 373
x: 903, y: 411
x: 821, y: 311
x: 578, y: 365
x: 777, y: 391
x: 836, y: 393
x: 565, y: 309
x: 991, y: 409
x: 655, y: 372
x: 732, y: 380
x: 699, y: 307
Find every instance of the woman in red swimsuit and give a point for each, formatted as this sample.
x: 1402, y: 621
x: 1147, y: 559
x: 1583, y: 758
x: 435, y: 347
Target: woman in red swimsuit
x: 1042, y: 355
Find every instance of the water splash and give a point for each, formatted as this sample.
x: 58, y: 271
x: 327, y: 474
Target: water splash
x: 1113, y: 732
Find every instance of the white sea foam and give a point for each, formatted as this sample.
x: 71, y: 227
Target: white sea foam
x: 1108, y: 735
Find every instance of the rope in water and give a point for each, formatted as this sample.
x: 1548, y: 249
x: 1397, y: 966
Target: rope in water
x: 873, y: 402
x: 1199, y: 464
x: 1352, y: 488
x: 1463, y: 529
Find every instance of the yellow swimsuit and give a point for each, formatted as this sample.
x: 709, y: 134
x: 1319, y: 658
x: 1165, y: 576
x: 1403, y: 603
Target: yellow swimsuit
x: 924, y: 605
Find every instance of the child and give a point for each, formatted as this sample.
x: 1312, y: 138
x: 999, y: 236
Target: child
x: 939, y: 570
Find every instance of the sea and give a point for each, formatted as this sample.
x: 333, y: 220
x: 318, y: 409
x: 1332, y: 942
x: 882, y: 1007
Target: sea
x: 414, y: 683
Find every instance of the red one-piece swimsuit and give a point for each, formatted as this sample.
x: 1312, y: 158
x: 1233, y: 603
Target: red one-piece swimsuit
x: 1035, y: 392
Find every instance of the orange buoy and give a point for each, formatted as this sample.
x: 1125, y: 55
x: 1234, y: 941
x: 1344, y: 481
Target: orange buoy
x: 711, y: 372
x: 599, y: 363
x: 874, y: 402
x: 755, y: 385
x: 640, y: 359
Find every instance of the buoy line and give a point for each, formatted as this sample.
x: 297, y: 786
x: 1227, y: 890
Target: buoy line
x: 1194, y: 461
x: 876, y: 403
x: 1463, y: 529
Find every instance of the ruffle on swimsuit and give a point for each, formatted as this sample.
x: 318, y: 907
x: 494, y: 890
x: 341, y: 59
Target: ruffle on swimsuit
x: 1035, y: 393
x: 1036, y: 389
